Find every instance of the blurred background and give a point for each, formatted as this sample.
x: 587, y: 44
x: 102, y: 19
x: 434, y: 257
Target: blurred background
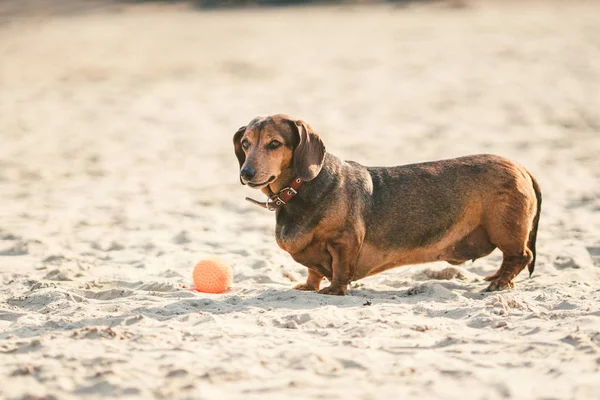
x: 117, y: 174
x: 124, y: 111
x: 77, y: 6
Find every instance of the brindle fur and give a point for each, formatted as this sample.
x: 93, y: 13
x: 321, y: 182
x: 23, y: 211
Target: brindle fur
x: 349, y: 221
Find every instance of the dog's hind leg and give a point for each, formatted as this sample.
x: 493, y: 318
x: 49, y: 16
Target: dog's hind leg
x: 510, y: 231
x: 511, y: 266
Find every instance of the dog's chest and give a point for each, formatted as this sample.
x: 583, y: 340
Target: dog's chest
x: 294, y: 233
x: 292, y: 239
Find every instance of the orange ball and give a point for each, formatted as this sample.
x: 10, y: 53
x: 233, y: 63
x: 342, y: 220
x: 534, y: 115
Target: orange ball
x: 212, y: 276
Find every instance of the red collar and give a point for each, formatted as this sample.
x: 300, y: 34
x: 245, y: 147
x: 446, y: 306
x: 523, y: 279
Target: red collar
x: 279, y: 199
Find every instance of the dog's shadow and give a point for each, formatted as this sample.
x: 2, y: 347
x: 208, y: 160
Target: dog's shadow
x: 425, y: 292
x: 188, y: 303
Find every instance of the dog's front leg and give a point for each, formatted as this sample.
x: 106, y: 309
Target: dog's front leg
x: 343, y: 259
x: 313, y: 282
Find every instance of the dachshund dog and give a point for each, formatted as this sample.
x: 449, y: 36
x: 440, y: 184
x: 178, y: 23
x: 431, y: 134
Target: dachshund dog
x: 345, y: 221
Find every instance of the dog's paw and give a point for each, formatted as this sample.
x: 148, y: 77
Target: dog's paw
x: 491, y: 277
x: 334, y: 290
x: 500, y: 284
x: 305, y: 287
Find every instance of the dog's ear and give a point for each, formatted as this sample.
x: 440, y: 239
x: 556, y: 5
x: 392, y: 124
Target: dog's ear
x: 237, y: 146
x: 309, y: 154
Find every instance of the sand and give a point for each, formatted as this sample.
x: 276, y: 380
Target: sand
x: 117, y: 174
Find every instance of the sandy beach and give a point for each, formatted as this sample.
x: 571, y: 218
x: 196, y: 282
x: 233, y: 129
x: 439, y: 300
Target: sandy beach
x: 117, y: 175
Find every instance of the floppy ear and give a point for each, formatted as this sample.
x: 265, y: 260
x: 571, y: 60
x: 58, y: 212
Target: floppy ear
x: 237, y: 146
x: 310, y: 152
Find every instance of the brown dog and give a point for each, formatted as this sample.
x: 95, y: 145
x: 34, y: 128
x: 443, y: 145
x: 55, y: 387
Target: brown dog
x: 345, y: 221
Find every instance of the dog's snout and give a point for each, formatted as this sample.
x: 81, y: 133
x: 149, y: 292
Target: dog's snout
x: 248, y: 173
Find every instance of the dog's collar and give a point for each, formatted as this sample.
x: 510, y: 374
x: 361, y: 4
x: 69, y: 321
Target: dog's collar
x: 280, y: 199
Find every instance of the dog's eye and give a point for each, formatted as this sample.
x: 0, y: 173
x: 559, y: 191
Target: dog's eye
x: 245, y: 144
x: 274, y: 144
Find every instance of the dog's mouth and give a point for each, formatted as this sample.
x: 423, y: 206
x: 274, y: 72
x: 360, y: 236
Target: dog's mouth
x: 256, y: 185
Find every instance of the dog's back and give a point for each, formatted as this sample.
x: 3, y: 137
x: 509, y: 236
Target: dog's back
x: 415, y: 205
x: 443, y: 210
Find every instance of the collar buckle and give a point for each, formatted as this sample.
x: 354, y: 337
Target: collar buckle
x: 280, y: 199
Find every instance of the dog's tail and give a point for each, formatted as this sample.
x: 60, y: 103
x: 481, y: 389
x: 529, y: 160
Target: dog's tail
x: 536, y: 221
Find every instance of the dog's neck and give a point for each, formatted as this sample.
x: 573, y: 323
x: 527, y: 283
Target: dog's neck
x: 284, y: 180
x: 311, y: 192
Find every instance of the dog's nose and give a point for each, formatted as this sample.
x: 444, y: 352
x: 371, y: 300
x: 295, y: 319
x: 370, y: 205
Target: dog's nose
x: 248, y: 173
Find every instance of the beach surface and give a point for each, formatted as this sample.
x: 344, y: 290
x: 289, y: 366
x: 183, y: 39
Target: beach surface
x: 117, y: 174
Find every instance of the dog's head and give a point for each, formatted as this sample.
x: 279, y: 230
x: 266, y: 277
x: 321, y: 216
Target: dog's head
x: 269, y: 146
